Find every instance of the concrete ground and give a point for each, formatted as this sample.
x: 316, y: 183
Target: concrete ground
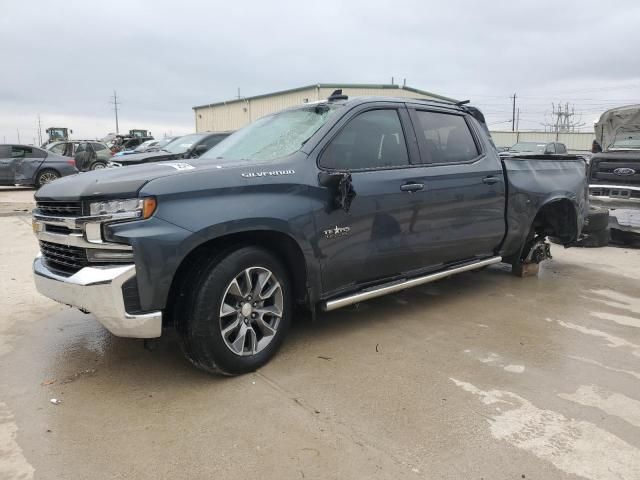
x: 481, y: 376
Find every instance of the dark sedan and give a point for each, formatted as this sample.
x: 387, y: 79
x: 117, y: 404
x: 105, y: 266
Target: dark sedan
x: 189, y: 146
x: 32, y: 166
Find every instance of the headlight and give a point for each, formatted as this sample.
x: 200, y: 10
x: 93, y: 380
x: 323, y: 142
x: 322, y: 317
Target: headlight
x: 136, y: 207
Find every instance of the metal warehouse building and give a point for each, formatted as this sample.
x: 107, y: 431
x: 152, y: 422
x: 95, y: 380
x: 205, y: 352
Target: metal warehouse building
x: 236, y: 113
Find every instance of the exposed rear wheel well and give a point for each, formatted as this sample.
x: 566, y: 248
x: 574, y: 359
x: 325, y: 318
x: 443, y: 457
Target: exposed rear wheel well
x: 557, y: 219
x: 279, y: 244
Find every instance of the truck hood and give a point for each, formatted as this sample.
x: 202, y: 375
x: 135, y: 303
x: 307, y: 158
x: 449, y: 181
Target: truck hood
x: 612, y: 120
x: 119, y: 182
x: 125, y: 182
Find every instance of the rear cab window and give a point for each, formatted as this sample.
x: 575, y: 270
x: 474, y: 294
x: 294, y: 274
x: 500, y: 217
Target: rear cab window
x: 444, y: 137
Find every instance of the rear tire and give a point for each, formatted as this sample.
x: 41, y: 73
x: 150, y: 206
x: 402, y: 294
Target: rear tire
x: 597, y: 220
x: 234, y: 311
x: 595, y: 239
x: 46, y: 176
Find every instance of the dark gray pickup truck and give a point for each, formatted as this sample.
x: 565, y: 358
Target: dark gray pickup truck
x: 319, y: 206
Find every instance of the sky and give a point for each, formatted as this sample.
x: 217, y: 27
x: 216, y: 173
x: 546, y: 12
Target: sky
x: 62, y: 61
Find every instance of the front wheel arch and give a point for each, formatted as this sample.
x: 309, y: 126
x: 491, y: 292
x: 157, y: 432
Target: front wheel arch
x: 281, y: 245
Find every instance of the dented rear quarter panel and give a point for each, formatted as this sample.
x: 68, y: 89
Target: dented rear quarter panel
x: 535, y: 182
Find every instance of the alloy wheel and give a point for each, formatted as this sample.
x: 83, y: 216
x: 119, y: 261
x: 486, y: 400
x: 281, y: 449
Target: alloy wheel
x: 251, y: 310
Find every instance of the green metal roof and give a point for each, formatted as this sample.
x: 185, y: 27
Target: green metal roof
x: 331, y: 85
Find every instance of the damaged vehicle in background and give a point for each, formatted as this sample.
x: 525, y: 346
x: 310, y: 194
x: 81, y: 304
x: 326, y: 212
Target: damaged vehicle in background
x: 189, y: 146
x: 535, y: 148
x: 614, y: 180
x: 92, y: 155
x: 318, y: 206
x: 148, y: 146
x: 32, y: 166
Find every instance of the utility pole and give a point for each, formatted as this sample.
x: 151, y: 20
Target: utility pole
x: 518, y: 120
x: 115, y: 104
x: 513, y: 114
x: 39, y: 131
x: 18, y: 130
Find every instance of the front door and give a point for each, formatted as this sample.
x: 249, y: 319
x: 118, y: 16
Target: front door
x: 371, y: 240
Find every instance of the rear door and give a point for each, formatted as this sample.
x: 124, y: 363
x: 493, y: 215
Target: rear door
x: 462, y: 216
x: 28, y: 162
x: 11, y: 169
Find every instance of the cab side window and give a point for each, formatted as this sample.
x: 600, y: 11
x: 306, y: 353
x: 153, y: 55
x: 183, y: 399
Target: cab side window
x: 444, y: 138
x: 27, y: 152
x: 374, y: 139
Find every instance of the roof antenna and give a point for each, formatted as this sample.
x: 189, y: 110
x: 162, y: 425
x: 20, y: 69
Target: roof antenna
x: 337, y: 95
x: 462, y: 102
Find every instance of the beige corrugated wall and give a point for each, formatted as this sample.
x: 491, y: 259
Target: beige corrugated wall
x: 579, y: 141
x: 236, y: 114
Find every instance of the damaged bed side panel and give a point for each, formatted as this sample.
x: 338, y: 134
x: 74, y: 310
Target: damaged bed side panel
x: 534, y: 183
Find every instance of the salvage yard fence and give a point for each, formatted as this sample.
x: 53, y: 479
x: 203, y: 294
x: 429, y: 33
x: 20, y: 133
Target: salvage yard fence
x: 577, y: 142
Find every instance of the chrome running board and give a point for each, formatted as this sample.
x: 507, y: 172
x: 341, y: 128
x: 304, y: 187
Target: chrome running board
x: 393, y: 287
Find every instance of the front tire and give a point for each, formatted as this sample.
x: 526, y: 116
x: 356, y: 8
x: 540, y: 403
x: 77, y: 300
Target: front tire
x: 235, y: 311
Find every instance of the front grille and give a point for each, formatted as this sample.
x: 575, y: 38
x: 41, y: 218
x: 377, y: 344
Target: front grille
x: 613, y: 192
x: 63, y: 258
x: 57, y: 209
x: 603, y: 172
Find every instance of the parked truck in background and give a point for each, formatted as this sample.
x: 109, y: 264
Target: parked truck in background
x: 318, y: 206
x: 614, y: 180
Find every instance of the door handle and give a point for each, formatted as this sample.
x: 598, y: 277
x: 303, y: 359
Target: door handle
x: 412, y: 187
x: 490, y: 180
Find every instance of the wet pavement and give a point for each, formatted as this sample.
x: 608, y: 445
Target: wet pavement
x: 481, y: 376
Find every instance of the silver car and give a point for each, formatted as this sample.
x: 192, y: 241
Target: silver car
x: 32, y: 166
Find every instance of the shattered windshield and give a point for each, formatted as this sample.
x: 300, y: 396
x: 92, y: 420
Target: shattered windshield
x: 627, y: 138
x: 273, y: 136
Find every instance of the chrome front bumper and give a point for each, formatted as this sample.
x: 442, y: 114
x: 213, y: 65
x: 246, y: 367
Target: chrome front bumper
x: 98, y: 290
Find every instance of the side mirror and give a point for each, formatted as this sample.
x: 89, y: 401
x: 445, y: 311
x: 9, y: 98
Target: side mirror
x: 340, y: 188
x: 199, y: 150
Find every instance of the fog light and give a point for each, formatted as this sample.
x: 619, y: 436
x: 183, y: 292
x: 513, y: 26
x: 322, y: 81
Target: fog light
x: 95, y: 255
